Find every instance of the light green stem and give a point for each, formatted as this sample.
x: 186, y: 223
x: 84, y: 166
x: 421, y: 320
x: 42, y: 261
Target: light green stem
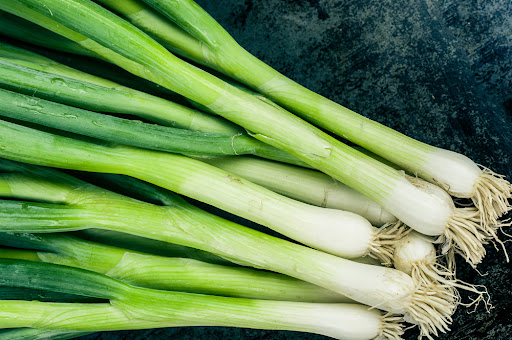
x: 157, y: 272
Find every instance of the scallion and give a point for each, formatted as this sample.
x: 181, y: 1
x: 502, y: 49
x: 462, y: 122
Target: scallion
x: 130, y: 48
x: 157, y: 272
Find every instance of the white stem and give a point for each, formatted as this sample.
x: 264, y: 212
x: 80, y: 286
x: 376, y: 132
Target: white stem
x: 305, y: 185
x: 461, y: 177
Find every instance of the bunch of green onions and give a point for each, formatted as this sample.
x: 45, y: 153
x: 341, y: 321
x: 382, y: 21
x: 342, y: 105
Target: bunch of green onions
x: 248, y: 148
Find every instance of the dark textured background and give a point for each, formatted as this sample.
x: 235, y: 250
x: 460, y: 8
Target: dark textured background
x: 439, y: 71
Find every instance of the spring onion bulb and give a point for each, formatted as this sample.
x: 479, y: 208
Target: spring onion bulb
x: 181, y: 223
x: 135, y: 51
x: 194, y: 34
x: 334, y: 231
x: 305, y: 185
x: 416, y: 255
x: 157, y: 272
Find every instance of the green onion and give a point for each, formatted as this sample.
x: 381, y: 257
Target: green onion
x: 130, y: 48
x: 133, y: 308
x: 176, y: 274
x: 39, y: 62
x: 184, y: 224
x: 338, y: 232
x: 205, y: 41
x: 305, y: 185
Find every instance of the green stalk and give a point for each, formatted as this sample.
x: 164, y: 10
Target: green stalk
x: 92, y: 68
x: 52, y: 187
x: 157, y: 272
x: 23, y: 30
x: 155, y: 308
x: 114, y: 129
x: 29, y: 294
x: 39, y: 62
x: 149, y: 246
x: 225, y: 55
x: 36, y: 75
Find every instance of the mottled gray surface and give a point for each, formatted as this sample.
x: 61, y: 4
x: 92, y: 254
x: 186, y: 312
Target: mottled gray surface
x: 439, y: 71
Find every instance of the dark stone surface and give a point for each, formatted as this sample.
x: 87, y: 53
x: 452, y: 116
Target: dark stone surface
x: 439, y: 71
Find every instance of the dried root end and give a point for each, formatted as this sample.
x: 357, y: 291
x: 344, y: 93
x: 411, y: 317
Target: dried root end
x: 383, y: 244
x: 430, y: 309
x: 490, y: 195
x: 467, y: 235
x: 391, y: 328
x: 430, y: 274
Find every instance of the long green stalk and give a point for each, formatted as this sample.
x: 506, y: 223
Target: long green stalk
x: 187, y: 225
x: 25, y: 107
x: 157, y: 272
x: 147, y: 308
x: 32, y: 74
x: 150, y: 246
x: 29, y: 294
x: 92, y: 68
x: 206, y: 42
x: 133, y: 50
